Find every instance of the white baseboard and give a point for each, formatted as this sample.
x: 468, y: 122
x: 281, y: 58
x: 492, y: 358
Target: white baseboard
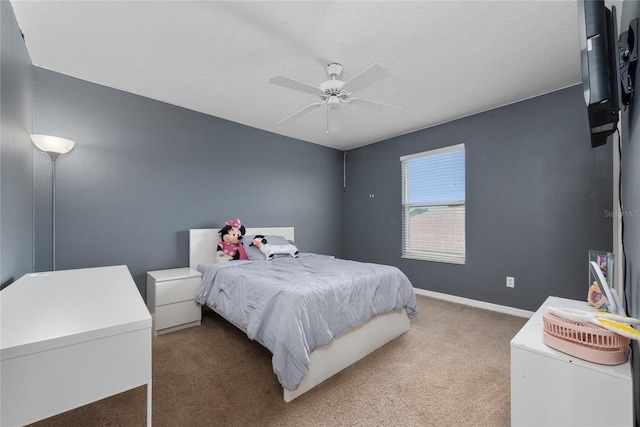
x: 474, y: 303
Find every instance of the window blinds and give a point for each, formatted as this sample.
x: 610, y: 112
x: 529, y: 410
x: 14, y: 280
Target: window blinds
x: 433, y: 205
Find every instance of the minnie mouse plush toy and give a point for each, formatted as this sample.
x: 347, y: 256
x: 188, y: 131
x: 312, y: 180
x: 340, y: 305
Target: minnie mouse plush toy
x: 231, y: 248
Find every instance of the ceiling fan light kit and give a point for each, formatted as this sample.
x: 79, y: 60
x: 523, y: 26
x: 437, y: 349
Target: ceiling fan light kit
x: 334, y: 91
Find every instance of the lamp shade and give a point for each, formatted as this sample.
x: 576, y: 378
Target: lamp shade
x: 54, y: 146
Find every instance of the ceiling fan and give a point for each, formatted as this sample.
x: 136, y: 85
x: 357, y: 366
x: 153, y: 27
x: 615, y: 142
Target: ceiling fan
x: 335, y: 92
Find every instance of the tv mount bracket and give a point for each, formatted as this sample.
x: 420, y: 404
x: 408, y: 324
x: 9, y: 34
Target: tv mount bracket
x: 628, y: 60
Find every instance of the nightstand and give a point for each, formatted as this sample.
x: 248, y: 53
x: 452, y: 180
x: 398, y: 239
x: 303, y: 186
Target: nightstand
x: 171, y: 299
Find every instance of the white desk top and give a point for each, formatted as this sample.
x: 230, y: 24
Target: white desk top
x: 530, y: 338
x: 42, y: 311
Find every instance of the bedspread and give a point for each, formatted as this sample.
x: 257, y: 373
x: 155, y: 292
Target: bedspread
x: 295, y: 305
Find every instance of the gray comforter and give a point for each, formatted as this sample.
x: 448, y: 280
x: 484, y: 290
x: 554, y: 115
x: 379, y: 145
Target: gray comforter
x: 293, y: 306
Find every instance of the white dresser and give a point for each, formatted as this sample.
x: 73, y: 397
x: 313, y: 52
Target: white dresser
x: 70, y: 338
x: 550, y: 388
x: 171, y: 299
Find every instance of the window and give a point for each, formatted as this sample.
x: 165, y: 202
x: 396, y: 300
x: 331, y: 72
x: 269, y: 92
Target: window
x: 433, y: 205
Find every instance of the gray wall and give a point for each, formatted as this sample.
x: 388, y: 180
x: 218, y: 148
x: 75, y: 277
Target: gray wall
x: 143, y: 172
x: 630, y: 196
x: 16, y: 152
x: 536, y: 200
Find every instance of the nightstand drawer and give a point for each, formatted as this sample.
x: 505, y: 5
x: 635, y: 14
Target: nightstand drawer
x: 178, y: 290
x: 170, y: 315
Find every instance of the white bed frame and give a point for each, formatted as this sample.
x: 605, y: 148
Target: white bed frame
x: 330, y: 359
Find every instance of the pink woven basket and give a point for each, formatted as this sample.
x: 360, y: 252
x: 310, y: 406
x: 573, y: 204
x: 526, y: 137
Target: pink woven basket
x: 584, y: 340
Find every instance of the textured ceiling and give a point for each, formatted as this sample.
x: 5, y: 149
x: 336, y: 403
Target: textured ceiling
x: 446, y: 59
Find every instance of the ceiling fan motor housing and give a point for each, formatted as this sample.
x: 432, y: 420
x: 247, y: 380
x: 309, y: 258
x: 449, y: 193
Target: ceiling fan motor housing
x: 332, y: 89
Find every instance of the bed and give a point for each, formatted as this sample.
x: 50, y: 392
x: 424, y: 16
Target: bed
x: 373, y: 322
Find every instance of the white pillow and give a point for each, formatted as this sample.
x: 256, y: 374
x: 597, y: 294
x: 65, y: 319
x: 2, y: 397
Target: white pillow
x: 253, y: 253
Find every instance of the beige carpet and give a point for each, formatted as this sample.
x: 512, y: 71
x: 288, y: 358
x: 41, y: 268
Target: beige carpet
x: 450, y: 369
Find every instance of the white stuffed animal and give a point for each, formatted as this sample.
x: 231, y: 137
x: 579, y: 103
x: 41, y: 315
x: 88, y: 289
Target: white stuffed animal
x: 270, y: 250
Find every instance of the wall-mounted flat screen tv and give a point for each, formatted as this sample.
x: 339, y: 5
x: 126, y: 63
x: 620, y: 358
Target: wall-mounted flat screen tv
x: 600, y: 75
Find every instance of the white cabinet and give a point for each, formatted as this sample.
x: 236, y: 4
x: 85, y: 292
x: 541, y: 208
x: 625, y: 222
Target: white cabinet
x: 550, y: 388
x: 171, y: 299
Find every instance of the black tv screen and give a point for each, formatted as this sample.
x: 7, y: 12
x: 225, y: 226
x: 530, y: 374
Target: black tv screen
x: 600, y: 77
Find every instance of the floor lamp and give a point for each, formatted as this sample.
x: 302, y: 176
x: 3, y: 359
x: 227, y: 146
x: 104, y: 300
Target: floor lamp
x: 53, y: 147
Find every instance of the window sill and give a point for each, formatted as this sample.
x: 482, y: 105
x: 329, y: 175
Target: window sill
x: 460, y: 260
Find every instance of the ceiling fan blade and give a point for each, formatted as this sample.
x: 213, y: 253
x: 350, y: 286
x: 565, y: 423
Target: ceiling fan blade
x: 334, y: 120
x: 294, y: 84
x: 302, y: 112
x: 367, y: 77
x: 372, y: 105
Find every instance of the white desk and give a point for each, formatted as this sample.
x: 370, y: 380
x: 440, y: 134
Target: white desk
x: 550, y: 388
x: 69, y: 338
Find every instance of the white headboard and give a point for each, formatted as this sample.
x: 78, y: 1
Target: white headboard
x: 204, y: 241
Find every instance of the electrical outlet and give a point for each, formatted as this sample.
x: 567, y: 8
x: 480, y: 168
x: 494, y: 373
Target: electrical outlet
x: 511, y: 282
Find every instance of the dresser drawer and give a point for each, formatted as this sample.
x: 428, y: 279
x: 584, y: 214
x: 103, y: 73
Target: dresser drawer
x: 173, y: 291
x: 170, y: 315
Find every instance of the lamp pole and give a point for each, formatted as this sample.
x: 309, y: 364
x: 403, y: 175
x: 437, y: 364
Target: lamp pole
x: 53, y: 147
x: 54, y: 157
